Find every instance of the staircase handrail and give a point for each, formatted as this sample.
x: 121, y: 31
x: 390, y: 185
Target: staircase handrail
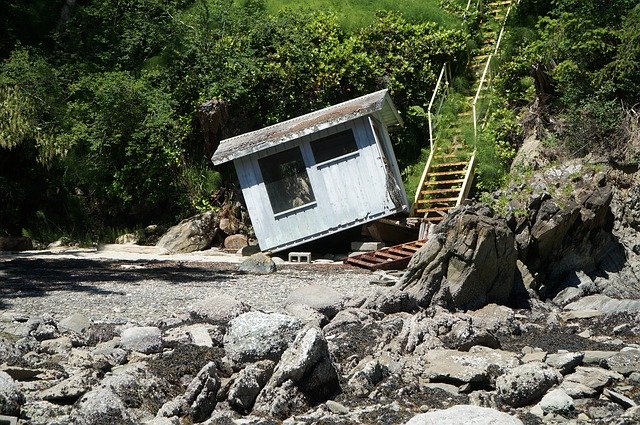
x: 486, y: 69
x: 443, y: 73
x: 421, y: 184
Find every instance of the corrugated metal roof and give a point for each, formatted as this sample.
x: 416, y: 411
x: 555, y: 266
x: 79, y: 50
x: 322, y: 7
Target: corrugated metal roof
x: 255, y: 141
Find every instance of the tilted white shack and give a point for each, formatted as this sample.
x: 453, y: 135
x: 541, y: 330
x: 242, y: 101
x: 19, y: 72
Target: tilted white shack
x: 320, y: 173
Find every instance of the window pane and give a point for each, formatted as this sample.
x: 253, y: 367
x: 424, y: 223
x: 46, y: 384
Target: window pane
x: 286, y: 179
x: 334, y: 146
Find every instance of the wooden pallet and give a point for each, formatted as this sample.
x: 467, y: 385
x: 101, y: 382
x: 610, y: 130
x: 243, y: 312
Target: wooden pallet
x: 390, y: 258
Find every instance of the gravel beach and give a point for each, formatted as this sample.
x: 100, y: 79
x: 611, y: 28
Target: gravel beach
x: 145, y: 287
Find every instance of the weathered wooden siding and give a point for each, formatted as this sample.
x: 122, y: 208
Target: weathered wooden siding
x: 349, y: 190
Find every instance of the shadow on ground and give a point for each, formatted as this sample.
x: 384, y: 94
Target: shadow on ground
x: 21, y: 278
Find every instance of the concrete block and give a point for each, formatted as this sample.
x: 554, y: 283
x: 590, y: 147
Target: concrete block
x: 299, y: 257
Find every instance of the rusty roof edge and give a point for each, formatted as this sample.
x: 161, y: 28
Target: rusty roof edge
x: 383, y: 102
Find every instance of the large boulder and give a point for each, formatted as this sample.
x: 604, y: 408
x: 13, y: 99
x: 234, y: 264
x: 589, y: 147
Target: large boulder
x: 257, y: 336
x: 193, y: 234
x: 526, y: 383
x: 468, y: 262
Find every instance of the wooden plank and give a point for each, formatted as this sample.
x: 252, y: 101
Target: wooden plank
x: 434, y: 200
x: 450, y: 164
x: 435, y: 191
x: 448, y: 173
x: 439, y: 182
x: 435, y: 209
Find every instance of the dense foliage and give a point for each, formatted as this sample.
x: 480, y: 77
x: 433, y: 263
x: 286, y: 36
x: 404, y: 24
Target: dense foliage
x: 98, y: 126
x: 98, y: 100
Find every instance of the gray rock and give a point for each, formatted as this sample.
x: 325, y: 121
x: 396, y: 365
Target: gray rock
x: 526, y: 383
x: 11, y: 398
x: 164, y: 421
x: 593, y: 377
x: 307, y: 315
x: 56, y: 345
x: 248, y: 384
x: 193, y: 234
x: 605, y: 304
x: 480, y: 365
x: 494, y: 318
x: 335, y: 407
x: 308, y: 365
x: 201, y: 393
x: 557, y: 402
x: 76, y: 323
x: 564, y: 362
x: 101, y: 407
x: 144, y: 339
x: 321, y: 298
x: 464, y: 335
x: 468, y: 262
x: 577, y: 390
x: 597, y: 358
x: 366, y: 376
x: 621, y: 399
x: 389, y: 301
x: 465, y: 415
x: 625, y: 362
x: 71, y: 389
x: 218, y: 308
x: 257, y: 336
x: 258, y: 264
x: 281, y: 402
x: 42, y: 412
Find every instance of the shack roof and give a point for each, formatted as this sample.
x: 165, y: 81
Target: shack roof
x: 255, y: 141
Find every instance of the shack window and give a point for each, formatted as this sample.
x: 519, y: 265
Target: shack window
x: 333, y: 146
x: 286, y: 179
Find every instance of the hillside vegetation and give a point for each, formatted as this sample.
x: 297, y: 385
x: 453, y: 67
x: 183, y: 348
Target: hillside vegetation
x: 98, y: 118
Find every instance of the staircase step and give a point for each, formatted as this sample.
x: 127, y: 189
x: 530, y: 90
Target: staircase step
x: 499, y: 3
x: 434, y: 209
x: 448, y: 173
x: 442, y: 182
x: 450, y: 164
x: 437, y: 200
x: 439, y: 191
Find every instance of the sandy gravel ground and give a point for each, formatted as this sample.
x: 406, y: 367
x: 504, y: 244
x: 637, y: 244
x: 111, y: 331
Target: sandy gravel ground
x: 143, y: 286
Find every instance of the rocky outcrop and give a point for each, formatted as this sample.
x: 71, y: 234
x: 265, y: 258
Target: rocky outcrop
x: 193, y: 234
x: 468, y: 262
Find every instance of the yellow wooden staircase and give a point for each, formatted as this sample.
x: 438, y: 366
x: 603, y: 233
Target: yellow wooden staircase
x: 445, y: 183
